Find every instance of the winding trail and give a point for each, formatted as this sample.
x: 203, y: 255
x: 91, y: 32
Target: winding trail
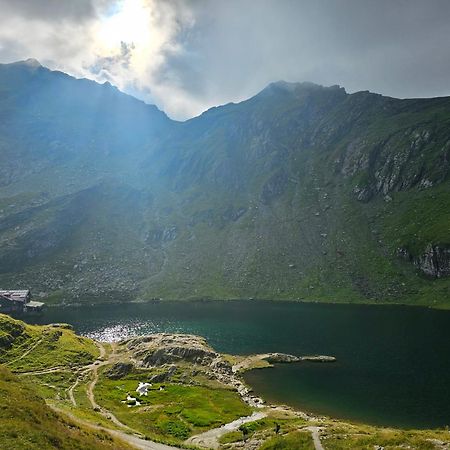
x: 133, y: 441
x: 83, y: 371
x: 43, y: 371
x: 90, y: 392
x: 316, y: 437
x: 70, y: 391
x: 39, y: 341
x: 210, y: 439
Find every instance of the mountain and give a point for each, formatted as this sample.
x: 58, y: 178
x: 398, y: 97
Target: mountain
x: 301, y: 192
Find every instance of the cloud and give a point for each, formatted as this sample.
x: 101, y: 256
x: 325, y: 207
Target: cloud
x: 186, y: 56
x: 48, y: 9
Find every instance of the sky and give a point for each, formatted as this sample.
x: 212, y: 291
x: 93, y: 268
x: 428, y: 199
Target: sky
x: 188, y: 55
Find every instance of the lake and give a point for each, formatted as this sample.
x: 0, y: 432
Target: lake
x: 393, y: 363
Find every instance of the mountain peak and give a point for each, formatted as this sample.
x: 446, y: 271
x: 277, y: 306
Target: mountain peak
x: 27, y: 64
x: 30, y: 62
x: 295, y: 87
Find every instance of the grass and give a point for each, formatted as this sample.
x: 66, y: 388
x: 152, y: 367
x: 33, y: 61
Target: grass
x: 231, y: 437
x: 414, y: 219
x: 173, y: 414
x: 335, y: 435
x: 297, y: 440
x: 342, y: 436
x: 83, y: 410
x: 53, y: 385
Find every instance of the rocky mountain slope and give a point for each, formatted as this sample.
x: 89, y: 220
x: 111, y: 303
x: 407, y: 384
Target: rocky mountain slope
x: 300, y: 192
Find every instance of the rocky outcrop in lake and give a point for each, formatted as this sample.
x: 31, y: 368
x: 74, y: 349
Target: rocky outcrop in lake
x: 162, y: 348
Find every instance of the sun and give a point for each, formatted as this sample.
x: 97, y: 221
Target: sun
x: 128, y: 23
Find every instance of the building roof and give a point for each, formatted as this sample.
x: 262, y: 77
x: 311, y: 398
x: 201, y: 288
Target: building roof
x: 36, y: 305
x: 18, y: 296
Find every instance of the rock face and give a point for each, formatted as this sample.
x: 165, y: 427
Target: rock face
x: 434, y: 262
x: 159, y: 349
x: 387, y: 170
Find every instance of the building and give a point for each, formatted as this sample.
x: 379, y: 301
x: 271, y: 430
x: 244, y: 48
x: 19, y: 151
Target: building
x: 18, y: 301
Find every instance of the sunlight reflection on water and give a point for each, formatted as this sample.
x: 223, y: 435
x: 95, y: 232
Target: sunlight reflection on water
x: 121, y: 331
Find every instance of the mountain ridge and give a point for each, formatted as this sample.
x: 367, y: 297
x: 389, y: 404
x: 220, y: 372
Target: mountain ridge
x: 300, y: 192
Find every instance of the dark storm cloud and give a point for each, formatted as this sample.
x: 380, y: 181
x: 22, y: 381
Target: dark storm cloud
x: 219, y: 51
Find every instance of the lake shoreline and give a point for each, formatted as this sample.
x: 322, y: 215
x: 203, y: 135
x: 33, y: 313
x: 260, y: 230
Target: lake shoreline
x: 439, y: 307
x: 372, y: 344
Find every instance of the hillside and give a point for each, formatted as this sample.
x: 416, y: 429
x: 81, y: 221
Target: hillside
x: 301, y: 192
x: 26, y: 421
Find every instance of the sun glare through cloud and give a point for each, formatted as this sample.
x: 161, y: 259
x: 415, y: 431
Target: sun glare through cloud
x: 129, y: 23
x: 131, y: 42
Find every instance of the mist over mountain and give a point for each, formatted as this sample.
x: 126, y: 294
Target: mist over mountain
x: 300, y: 192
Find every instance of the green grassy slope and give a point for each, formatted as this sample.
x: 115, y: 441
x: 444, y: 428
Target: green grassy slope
x: 179, y: 411
x: 307, y: 193
x: 26, y: 422
x: 26, y: 419
x: 25, y: 348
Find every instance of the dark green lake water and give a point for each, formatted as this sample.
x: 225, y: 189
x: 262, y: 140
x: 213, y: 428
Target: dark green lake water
x: 393, y: 363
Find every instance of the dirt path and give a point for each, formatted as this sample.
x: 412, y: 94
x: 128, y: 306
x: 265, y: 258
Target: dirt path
x: 83, y: 371
x: 70, y: 392
x: 39, y: 341
x: 44, y: 371
x: 102, y: 349
x: 133, y: 441
x: 316, y: 437
x: 210, y: 439
x: 90, y: 392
